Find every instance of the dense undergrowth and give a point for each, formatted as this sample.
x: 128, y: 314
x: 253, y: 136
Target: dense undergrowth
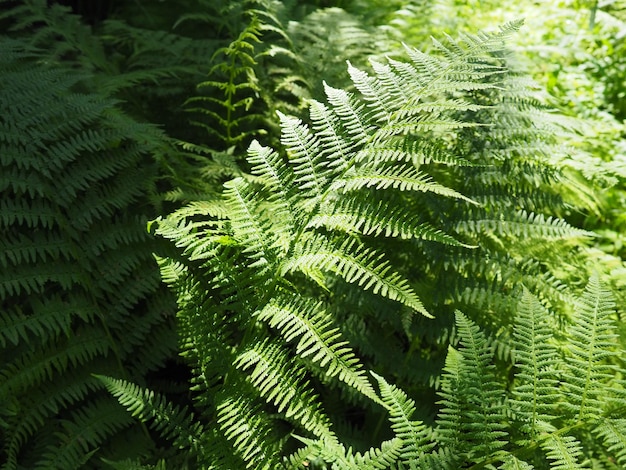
x: 378, y: 249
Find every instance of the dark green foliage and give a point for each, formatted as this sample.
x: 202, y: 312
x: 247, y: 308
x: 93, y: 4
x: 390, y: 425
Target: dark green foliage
x: 79, y: 289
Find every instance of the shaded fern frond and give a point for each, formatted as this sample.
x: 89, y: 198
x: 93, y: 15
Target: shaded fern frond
x: 76, y: 261
x: 170, y: 421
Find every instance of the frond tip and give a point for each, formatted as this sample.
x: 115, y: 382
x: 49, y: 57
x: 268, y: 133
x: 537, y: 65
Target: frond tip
x: 170, y: 421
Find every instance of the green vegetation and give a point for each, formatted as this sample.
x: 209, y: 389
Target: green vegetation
x: 377, y: 249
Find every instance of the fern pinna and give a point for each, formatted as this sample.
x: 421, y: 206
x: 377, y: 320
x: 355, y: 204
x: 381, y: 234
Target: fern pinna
x: 424, y: 192
x: 79, y: 289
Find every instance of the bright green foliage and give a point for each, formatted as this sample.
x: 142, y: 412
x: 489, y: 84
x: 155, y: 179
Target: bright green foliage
x: 472, y: 416
x: 272, y: 274
x: 474, y: 429
x: 536, y: 357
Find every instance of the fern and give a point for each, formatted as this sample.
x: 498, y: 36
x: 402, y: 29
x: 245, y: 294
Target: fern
x: 536, y: 356
x: 472, y: 425
x: 593, y: 335
x: 472, y: 411
x: 432, y: 158
x: 76, y: 264
x: 543, y: 363
x: 262, y: 270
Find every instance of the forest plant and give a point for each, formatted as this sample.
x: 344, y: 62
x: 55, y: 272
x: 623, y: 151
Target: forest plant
x: 79, y: 289
x: 302, y: 275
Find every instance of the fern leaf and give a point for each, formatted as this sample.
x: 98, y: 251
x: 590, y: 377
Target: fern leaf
x: 379, y: 458
x: 357, y: 265
x: 335, y: 147
x: 473, y: 409
x: 593, y: 342
x: 524, y: 225
x: 350, y: 113
x: 171, y: 421
x: 84, y: 432
x: 243, y: 425
x: 247, y: 226
x: 413, y: 434
x: 536, y: 358
x: 564, y: 451
x: 511, y: 462
x: 334, y: 453
x: 317, y: 339
x: 374, y: 93
x: 273, y: 375
x: 451, y: 419
x: 613, y: 434
x: 269, y: 166
x: 32, y: 369
x: 376, y: 219
x: 304, y: 151
x: 407, y: 180
x: 47, y: 321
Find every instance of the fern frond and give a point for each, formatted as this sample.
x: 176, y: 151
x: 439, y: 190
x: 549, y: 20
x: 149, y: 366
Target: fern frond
x: 247, y: 224
x: 511, y: 462
x: 171, y: 421
x: 335, y: 454
x: 86, y: 429
x: 613, y: 434
x: 564, y: 451
x: 46, y: 321
x: 244, y: 426
x: 350, y: 113
x: 414, y: 435
x: 524, y: 225
x: 450, y: 420
x: 281, y: 382
x: 376, y: 219
x: 535, y: 357
x: 36, y: 367
x: 355, y: 264
x: 270, y: 168
x: 318, y: 340
x: 304, y: 152
x: 414, y: 150
x: 406, y: 180
x: 379, y: 458
x: 593, y: 343
x: 472, y: 416
x: 335, y: 148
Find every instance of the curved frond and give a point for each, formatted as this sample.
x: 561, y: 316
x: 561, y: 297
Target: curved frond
x: 317, y: 340
x: 354, y: 264
x: 413, y: 434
